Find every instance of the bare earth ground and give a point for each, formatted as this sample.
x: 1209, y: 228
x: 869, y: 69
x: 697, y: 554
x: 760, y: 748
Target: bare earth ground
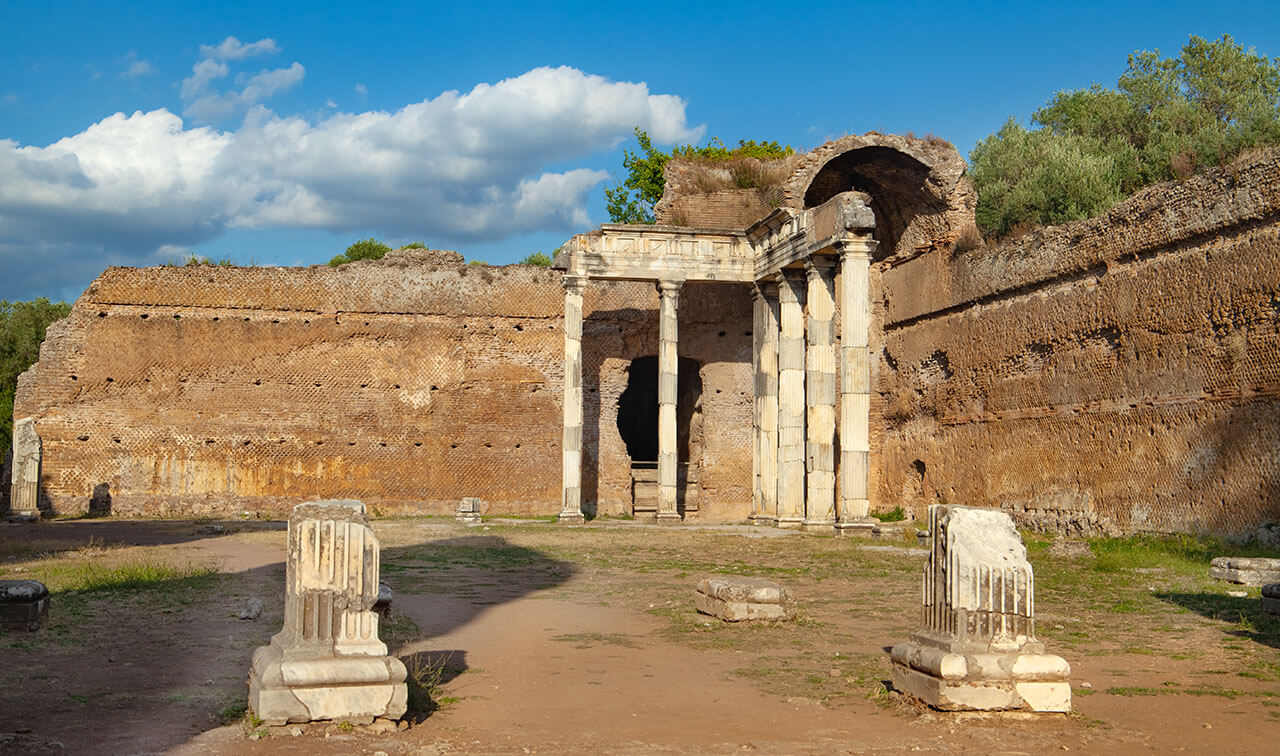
x: 583, y: 640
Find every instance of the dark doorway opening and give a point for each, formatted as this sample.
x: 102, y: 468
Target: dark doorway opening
x: 638, y: 426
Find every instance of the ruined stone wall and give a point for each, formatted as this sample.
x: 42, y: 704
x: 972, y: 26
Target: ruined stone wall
x: 408, y: 383
x: 1115, y: 374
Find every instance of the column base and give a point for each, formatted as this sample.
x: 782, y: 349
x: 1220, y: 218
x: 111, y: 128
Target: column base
x: 982, y: 682
x: 668, y: 517
x: 764, y: 521
x: 791, y: 523
x: 572, y: 518
x: 818, y: 526
x: 23, y: 517
x: 859, y: 527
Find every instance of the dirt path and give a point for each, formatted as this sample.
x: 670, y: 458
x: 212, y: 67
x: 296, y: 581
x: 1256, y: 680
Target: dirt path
x: 578, y: 642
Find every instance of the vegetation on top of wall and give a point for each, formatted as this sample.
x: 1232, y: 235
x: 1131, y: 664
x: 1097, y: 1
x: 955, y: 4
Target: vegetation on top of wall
x: 365, y: 249
x: 632, y: 200
x: 22, y: 327
x: 194, y: 260
x: 1166, y: 119
x: 539, y: 259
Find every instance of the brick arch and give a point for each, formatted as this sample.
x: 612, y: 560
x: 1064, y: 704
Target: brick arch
x: 918, y: 190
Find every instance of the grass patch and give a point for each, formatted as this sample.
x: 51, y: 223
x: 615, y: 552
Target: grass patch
x: 132, y: 575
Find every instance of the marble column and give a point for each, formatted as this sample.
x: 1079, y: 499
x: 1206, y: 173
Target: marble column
x: 668, y: 374
x: 571, y: 446
x: 766, y: 447
x: 791, y: 402
x: 24, y: 487
x: 820, y: 395
x: 855, y: 383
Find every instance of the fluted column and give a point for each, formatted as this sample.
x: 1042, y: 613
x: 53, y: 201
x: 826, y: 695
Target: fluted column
x: 571, y: 446
x: 668, y: 377
x: 855, y: 382
x: 791, y: 402
x: 766, y: 446
x: 820, y: 395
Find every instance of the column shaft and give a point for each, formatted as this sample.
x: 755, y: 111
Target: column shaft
x: 820, y: 395
x: 668, y: 376
x: 855, y: 382
x: 571, y: 444
x: 791, y: 402
x: 767, y: 399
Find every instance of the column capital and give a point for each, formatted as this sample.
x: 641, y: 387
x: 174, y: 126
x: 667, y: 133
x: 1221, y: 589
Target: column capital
x: 816, y: 265
x: 857, y: 246
x: 669, y: 288
x: 764, y: 290
x: 574, y: 284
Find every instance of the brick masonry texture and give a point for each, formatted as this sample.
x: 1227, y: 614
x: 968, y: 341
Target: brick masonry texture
x: 1110, y: 375
x: 408, y: 383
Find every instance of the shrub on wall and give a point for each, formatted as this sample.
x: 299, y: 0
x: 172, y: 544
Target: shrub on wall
x: 1166, y: 118
x: 366, y: 249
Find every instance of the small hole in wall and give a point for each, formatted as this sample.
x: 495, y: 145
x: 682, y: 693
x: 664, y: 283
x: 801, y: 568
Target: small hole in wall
x: 319, y: 443
x: 182, y: 380
x: 366, y: 322
x: 82, y: 438
x: 306, y: 322
x: 717, y: 391
x: 722, y: 334
x: 518, y: 327
x: 216, y: 318
x: 208, y: 440
x: 177, y: 317
x: 258, y: 382
x: 396, y: 386
x: 144, y: 316
x: 417, y: 443
x: 111, y: 380
x: 453, y: 446
x: 146, y: 380
x: 279, y: 440
x: 317, y: 385
x: 517, y: 446
x: 488, y: 446
x: 246, y: 443
x: 382, y: 443
x: 74, y: 378
x: 246, y: 320
x: 364, y: 385
x: 351, y: 443
x: 435, y: 388
x: 115, y: 439
x: 102, y: 314
x: 746, y: 333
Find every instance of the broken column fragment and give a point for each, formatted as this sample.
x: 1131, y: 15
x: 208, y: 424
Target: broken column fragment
x: 1245, y: 570
x: 977, y: 648
x: 468, y: 511
x: 24, y: 491
x: 24, y: 604
x: 734, y: 599
x: 327, y: 662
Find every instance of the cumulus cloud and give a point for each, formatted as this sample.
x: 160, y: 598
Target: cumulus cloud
x: 459, y: 167
x: 206, y: 106
x: 135, y: 67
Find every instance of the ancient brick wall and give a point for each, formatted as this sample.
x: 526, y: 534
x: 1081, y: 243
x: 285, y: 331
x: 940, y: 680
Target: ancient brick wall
x: 408, y: 383
x: 1115, y: 374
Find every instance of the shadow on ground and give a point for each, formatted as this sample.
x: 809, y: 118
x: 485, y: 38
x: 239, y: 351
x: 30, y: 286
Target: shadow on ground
x: 146, y: 669
x: 1244, y: 613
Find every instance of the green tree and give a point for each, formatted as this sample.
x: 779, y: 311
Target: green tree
x: 22, y: 328
x: 366, y: 249
x: 632, y: 200
x: 1165, y: 118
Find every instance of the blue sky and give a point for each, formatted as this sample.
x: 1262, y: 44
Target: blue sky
x: 278, y: 133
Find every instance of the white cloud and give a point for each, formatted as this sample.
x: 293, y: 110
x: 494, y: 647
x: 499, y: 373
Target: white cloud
x: 456, y: 167
x: 233, y: 49
x: 211, y: 108
x: 139, y: 68
x: 361, y: 89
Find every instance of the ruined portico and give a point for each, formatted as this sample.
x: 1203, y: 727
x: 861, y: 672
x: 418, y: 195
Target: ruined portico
x: 790, y: 259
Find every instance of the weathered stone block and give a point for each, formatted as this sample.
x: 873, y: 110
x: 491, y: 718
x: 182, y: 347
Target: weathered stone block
x: 468, y: 511
x: 1245, y: 570
x: 1271, y: 598
x: 24, y: 604
x: 734, y: 599
x: 327, y: 662
x: 977, y: 648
